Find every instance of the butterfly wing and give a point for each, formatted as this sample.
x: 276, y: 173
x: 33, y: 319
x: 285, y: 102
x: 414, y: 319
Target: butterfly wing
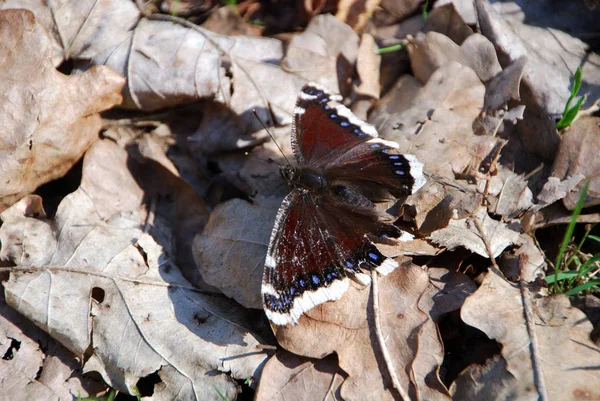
x: 311, y: 253
x: 328, y: 136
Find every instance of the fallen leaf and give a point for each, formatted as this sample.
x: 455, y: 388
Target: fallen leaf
x: 577, y: 155
x: 432, y: 50
x: 324, y: 53
x: 566, y: 358
x: 33, y: 363
x: 230, y: 253
x: 356, y: 13
x: 544, y: 98
x: 288, y: 376
x: 464, y: 232
x: 49, y: 119
x: 346, y: 327
x: 445, y: 19
x: 127, y: 298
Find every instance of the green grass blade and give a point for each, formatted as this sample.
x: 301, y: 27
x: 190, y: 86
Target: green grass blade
x: 569, y: 232
x: 570, y: 115
x: 577, y: 79
x: 594, y: 238
x: 561, y: 276
x: 583, y: 287
x: 221, y: 395
x: 390, y: 49
x: 587, y: 266
x: 424, y: 12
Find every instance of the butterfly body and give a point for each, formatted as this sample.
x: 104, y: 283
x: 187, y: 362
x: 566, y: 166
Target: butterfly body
x: 324, y: 228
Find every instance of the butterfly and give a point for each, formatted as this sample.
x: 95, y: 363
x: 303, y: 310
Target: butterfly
x: 324, y: 228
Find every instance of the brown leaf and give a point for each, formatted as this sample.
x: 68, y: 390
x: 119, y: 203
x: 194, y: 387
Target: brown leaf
x: 368, y: 64
x: 578, y: 155
x: 434, y: 121
x: 346, y: 327
x: 36, y: 365
x: 287, y: 376
x: 544, y: 98
x: 464, y: 232
x: 430, y: 51
x: 567, y: 360
x: 230, y: 253
x: 356, y: 13
x: 125, y: 294
x: 446, y: 20
x: 49, y: 119
x: 325, y: 53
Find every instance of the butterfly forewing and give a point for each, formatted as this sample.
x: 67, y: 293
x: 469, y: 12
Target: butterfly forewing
x: 324, y: 129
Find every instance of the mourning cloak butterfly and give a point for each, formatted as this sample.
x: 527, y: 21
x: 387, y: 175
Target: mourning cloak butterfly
x: 324, y: 227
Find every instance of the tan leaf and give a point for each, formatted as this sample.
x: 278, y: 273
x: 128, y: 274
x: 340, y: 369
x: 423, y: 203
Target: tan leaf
x: 553, y: 342
x: 230, y: 253
x: 578, y: 155
x: 346, y: 327
x: 465, y: 233
x: 110, y: 284
x: 287, y: 376
x: 325, y: 53
x: 430, y: 51
x: 48, y: 119
x: 35, y: 365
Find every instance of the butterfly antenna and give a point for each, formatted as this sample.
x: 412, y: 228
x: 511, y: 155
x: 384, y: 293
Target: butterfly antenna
x: 272, y: 138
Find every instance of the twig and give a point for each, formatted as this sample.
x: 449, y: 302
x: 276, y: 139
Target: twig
x: 538, y: 376
x: 115, y: 278
x: 386, y: 355
x: 488, y: 247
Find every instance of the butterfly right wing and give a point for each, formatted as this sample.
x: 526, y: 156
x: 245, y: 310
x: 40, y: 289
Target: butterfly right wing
x: 311, y: 251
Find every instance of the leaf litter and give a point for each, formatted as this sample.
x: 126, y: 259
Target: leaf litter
x: 151, y: 269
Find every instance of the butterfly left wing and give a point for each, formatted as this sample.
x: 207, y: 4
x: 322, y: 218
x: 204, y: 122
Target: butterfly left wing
x: 312, y: 251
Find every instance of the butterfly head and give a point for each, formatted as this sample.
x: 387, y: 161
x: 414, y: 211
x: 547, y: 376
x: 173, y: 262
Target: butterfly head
x: 288, y: 172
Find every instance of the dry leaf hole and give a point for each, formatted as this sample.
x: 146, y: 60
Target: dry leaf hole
x: 98, y: 294
x: 147, y: 384
x: 12, y: 349
x: 66, y: 67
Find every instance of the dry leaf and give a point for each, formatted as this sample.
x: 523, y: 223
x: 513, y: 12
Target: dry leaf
x: 434, y: 122
x: 544, y: 98
x: 35, y: 365
x: 356, y: 13
x: 556, y: 189
x: 578, y: 155
x: 368, y: 64
x: 231, y: 251
x: 446, y: 20
x: 566, y: 359
x: 464, y: 232
x: 287, y: 376
x: 48, y: 119
x: 325, y: 53
x: 139, y: 324
x: 430, y: 51
x: 346, y: 327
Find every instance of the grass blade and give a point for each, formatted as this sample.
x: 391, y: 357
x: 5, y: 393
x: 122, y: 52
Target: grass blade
x: 569, y: 232
x: 583, y: 287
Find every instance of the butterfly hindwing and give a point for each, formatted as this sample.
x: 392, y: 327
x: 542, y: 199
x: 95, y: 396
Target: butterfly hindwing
x: 311, y: 254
